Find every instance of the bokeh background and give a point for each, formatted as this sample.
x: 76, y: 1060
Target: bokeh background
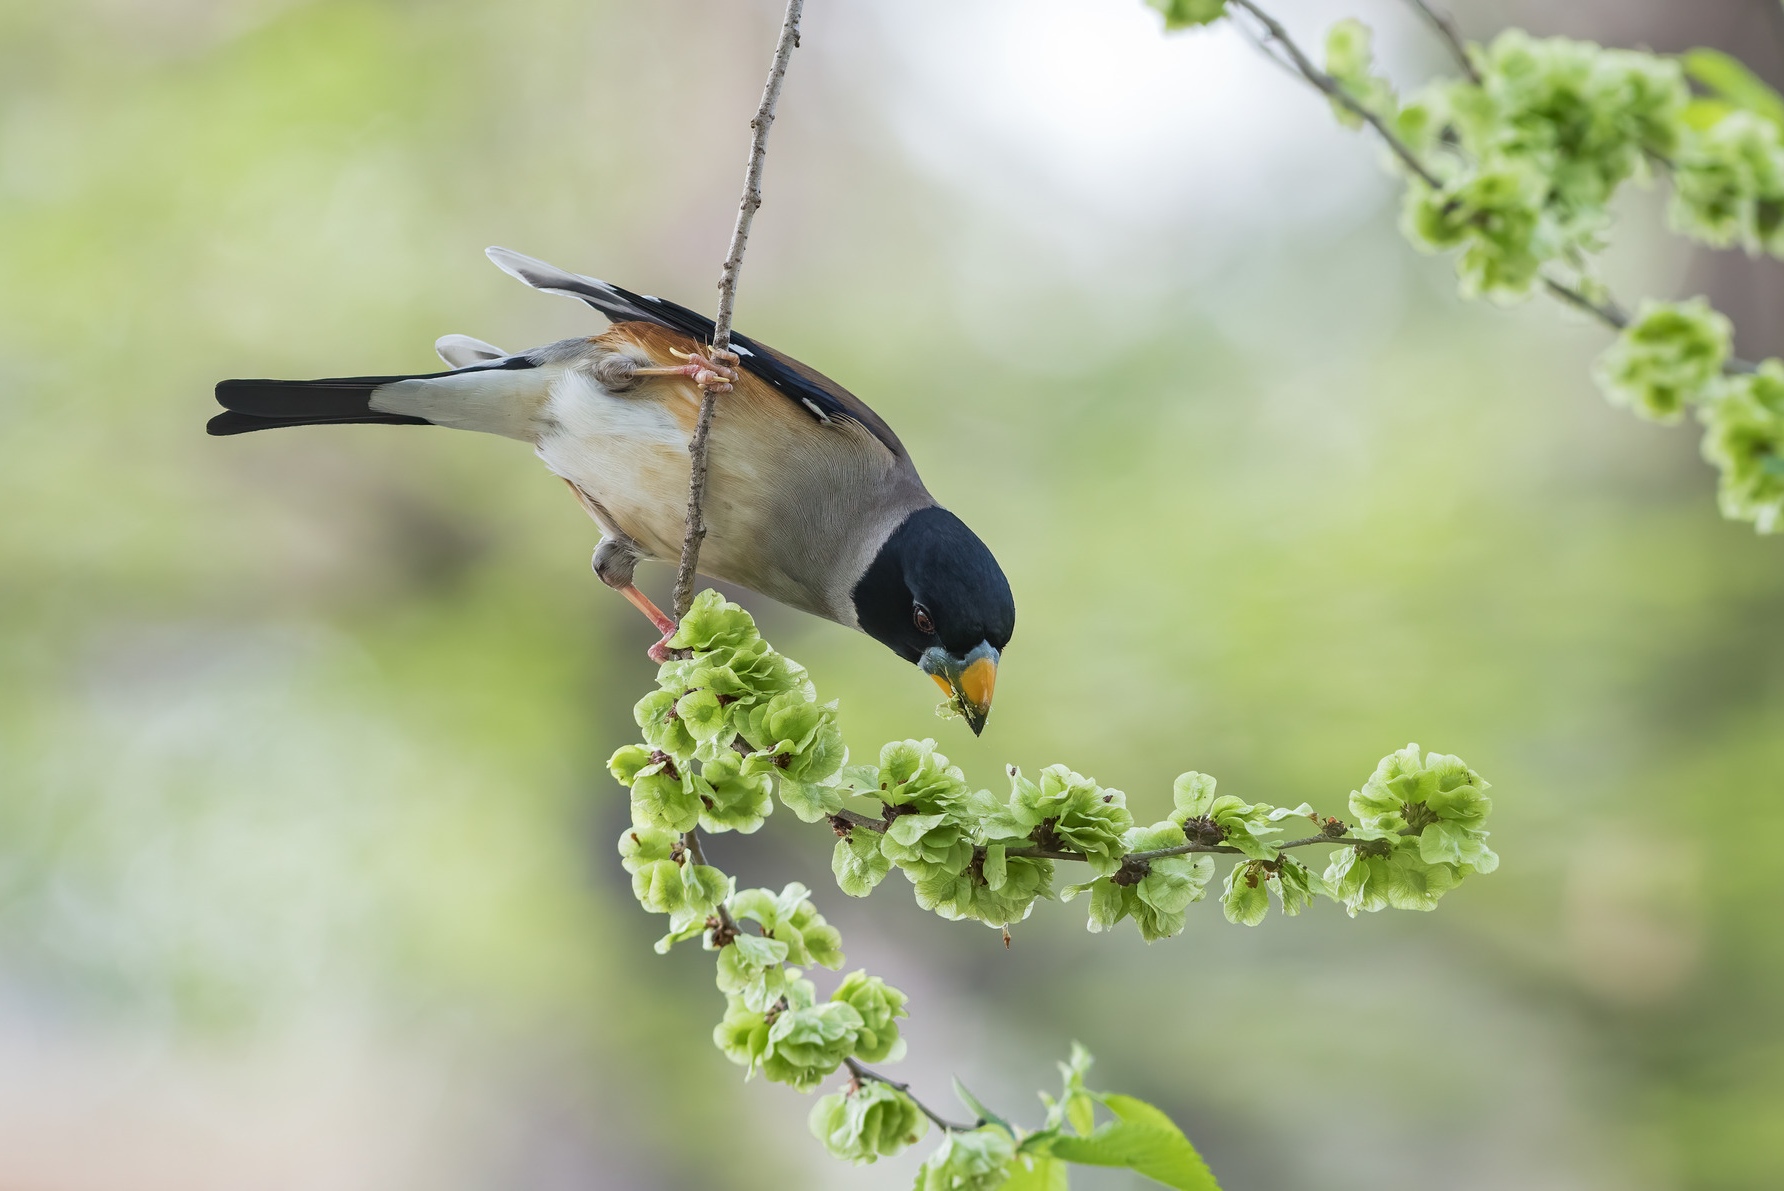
x: 307, y: 872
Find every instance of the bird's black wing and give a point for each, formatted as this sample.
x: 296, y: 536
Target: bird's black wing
x: 816, y: 393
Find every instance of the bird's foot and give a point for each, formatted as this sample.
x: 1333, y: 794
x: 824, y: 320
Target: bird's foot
x: 713, y: 370
x: 661, y: 652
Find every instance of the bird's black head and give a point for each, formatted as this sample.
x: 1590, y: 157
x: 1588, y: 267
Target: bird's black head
x: 936, y: 598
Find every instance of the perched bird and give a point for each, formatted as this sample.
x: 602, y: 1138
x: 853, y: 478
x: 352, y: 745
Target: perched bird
x: 811, y: 499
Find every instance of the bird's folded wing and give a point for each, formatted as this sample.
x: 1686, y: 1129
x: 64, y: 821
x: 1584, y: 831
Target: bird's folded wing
x: 820, y: 397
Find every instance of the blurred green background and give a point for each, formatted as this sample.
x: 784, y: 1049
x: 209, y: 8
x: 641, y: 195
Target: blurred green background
x: 306, y: 846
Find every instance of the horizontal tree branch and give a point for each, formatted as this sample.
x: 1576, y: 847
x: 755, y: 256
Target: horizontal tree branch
x: 869, y: 1075
x: 1285, y: 845
x: 855, y: 819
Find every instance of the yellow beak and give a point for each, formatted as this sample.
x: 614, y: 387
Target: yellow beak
x: 972, y: 680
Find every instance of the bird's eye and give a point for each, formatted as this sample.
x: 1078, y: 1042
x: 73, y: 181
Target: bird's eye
x: 920, y: 617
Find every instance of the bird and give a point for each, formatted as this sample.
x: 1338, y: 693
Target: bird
x: 812, y: 500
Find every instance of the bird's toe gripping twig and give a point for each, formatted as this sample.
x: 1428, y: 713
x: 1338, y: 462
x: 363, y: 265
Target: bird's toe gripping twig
x: 661, y: 651
x: 713, y: 369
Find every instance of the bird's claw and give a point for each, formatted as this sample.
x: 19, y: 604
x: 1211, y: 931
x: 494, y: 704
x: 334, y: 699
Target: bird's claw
x: 713, y: 370
x: 660, y: 652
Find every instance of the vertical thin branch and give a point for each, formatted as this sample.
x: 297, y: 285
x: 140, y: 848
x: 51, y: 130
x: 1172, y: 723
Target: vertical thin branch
x: 721, y: 332
x: 1775, y: 13
x: 727, y: 928
x: 1446, y: 27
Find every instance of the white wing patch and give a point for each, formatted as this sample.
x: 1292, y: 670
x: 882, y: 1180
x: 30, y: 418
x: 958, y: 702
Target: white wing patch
x: 461, y: 351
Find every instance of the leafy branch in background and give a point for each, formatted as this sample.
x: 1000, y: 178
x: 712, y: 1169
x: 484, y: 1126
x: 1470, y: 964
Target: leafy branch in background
x: 733, y: 725
x: 1513, y: 168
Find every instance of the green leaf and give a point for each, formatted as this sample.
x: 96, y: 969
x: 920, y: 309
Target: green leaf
x: 664, y: 802
x: 1744, y: 438
x: 1730, y: 79
x: 1076, y: 1105
x: 1143, y: 1139
x: 704, y: 715
x: 1296, y: 886
x: 1247, y: 897
x: 1669, y: 357
x: 1702, y: 114
x: 625, y: 764
x: 868, y: 1123
x: 806, y: 1042
x: 977, y: 1160
x: 734, y: 800
x: 758, y: 951
x: 1193, y: 794
x: 879, y: 1006
x: 1186, y: 14
x: 914, y: 775
x: 1496, y: 216
x: 1080, y: 1110
x: 714, y: 623
x: 810, y: 802
x: 1029, y: 1172
x: 679, y: 932
x: 927, y: 847
x: 1108, y: 904
x: 662, y: 727
x: 1081, y: 814
x: 996, y: 868
x: 1350, y: 61
x: 858, y: 863
x: 985, y: 1115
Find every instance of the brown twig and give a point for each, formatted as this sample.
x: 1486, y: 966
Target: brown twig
x: 1446, y: 27
x: 727, y: 928
x: 1285, y: 845
x: 1775, y: 14
x: 721, y: 331
x: 856, y: 819
x: 1337, y: 94
x: 869, y: 1075
x: 1608, y: 313
x: 1039, y: 853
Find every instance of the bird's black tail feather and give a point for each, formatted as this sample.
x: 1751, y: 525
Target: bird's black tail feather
x: 265, y: 404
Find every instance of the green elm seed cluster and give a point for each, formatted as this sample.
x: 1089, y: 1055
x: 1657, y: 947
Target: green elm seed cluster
x: 734, y: 726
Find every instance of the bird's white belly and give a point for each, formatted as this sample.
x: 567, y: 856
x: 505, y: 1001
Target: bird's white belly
x: 629, y: 455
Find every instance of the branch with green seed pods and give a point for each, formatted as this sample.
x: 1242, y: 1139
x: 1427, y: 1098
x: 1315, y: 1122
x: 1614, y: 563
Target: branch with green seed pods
x: 1514, y: 168
x: 736, y: 723
x: 735, y: 727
